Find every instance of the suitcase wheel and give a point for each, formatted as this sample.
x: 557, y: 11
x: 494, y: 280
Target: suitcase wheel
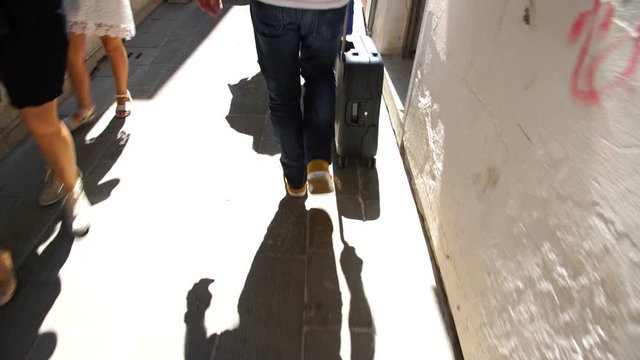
x: 342, y: 161
x: 371, y: 163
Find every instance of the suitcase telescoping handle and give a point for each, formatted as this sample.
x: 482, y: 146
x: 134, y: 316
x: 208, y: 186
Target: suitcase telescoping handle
x: 344, y: 28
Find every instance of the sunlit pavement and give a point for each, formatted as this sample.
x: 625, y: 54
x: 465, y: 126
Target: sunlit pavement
x: 189, y: 187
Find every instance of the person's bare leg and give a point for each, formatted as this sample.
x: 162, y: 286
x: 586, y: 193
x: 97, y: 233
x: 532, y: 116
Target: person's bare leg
x: 78, y: 73
x: 119, y: 61
x: 56, y: 145
x: 54, y: 140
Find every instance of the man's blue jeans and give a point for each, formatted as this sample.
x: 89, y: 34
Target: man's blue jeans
x: 293, y: 42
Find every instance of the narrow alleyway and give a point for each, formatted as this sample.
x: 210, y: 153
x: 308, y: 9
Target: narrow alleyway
x: 189, y: 208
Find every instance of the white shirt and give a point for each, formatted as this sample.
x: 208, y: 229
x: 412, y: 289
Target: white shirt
x: 308, y: 4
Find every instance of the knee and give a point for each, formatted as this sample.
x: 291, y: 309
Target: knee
x: 75, y: 52
x: 112, y: 45
x: 42, y: 128
x: 41, y: 121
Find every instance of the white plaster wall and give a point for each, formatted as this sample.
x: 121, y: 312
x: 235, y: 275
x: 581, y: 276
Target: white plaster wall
x: 531, y: 188
x: 390, y: 25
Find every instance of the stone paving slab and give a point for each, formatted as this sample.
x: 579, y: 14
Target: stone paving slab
x: 358, y: 190
x: 322, y: 344
x: 146, y: 40
x: 270, y: 322
x: 272, y: 302
x: 320, y: 241
x: 323, y: 296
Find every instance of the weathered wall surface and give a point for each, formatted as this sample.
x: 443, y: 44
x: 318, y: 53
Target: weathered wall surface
x: 11, y: 129
x: 522, y: 134
x: 391, y: 20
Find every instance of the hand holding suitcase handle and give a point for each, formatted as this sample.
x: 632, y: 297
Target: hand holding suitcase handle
x: 345, y: 28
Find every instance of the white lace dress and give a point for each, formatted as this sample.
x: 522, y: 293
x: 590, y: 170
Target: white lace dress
x: 100, y: 17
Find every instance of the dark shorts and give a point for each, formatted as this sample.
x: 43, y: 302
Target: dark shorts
x: 33, y: 53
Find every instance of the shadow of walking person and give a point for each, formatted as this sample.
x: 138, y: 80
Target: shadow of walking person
x: 272, y: 306
x: 197, y: 345
x: 248, y: 114
x: 361, y: 327
x: 291, y: 303
x: 38, y: 288
x: 272, y: 303
x: 98, y: 155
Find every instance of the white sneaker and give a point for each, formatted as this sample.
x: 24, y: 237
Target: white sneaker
x: 52, y: 191
x: 77, y: 210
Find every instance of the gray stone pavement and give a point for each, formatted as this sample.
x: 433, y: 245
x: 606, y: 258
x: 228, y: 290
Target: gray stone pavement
x: 188, y: 190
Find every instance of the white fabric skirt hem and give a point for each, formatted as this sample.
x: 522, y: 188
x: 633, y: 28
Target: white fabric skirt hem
x: 101, y: 29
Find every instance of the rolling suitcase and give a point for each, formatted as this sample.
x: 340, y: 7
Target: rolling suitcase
x: 359, y: 74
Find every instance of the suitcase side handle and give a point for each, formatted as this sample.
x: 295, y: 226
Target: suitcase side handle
x: 357, y: 113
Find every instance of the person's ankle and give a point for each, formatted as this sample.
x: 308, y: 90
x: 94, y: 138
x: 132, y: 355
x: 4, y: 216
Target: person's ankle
x: 317, y: 165
x: 295, y: 191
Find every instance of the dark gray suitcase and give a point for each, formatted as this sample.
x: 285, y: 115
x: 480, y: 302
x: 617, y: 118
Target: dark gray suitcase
x: 359, y: 73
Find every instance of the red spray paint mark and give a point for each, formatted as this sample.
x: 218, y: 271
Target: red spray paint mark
x: 596, y: 22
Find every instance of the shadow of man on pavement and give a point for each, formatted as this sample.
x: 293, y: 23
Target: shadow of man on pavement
x: 291, y: 303
x: 271, y: 305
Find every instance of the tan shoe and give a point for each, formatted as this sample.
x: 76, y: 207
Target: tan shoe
x: 295, y: 192
x: 7, y: 278
x: 319, y: 178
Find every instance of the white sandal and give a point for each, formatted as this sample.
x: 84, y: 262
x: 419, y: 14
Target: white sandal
x: 124, y: 108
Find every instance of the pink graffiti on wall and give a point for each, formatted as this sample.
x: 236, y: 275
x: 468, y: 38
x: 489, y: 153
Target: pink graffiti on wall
x: 596, y: 23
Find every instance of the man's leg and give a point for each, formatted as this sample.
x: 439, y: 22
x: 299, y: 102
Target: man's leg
x: 321, y: 36
x: 277, y: 45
